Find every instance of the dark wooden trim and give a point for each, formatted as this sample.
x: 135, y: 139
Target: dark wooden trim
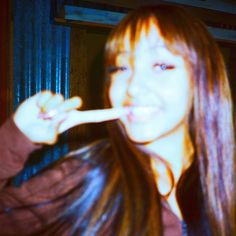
x: 5, y: 59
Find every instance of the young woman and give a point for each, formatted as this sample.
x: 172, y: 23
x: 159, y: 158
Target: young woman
x: 169, y: 160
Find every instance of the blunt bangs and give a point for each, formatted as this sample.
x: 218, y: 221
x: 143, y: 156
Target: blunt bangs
x: 180, y: 36
x: 127, y: 33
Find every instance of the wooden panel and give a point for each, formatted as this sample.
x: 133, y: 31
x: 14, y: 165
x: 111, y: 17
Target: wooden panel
x: 87, y: 77
x: 5, y: 60
x: 217, y: 5
x: 78, y: 78
x: 220, y: 24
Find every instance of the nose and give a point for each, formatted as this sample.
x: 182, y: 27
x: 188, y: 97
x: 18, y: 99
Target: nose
x: 135, y: 85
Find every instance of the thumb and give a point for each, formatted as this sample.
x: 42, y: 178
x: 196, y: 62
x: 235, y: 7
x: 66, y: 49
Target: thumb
x: 53, y: 129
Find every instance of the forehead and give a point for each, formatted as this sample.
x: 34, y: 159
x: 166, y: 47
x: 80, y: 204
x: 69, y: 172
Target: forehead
x: 149, y: 45
x: 146, y: 40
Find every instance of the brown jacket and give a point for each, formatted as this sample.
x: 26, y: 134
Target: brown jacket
x: 14, y: 151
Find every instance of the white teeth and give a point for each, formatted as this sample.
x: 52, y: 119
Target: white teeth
x: 141, y: 110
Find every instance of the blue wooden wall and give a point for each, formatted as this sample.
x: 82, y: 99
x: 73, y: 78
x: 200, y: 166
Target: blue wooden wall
x: 40, y: 61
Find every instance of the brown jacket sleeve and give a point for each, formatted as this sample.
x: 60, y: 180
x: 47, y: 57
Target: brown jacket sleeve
x: 16, y: 215
x: 15, y: 148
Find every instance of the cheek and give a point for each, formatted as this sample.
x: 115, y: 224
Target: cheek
x: 117, y: 93
x: 178, y: 95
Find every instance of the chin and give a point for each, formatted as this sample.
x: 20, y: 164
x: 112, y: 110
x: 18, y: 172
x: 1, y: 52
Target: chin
x: 141, y: 133
x: 142, y: 137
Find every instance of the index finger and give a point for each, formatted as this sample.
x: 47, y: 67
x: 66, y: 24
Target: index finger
x: 101, y: 115
x: 91, y: 116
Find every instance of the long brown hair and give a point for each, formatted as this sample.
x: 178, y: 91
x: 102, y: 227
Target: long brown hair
x: 210, y: 122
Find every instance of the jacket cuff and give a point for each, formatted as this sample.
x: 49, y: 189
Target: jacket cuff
x: 15, y: 148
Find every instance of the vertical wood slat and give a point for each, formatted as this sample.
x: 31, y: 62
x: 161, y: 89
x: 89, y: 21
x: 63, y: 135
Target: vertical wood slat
x: 79, y: 79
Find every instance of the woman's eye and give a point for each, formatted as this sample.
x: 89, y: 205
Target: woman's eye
x: 115, y: 69
x: 162, y: 66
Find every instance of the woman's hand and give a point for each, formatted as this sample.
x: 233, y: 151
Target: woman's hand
x: 45, y: 115
x: 40, y: 116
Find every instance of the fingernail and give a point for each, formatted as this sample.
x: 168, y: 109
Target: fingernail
x: 48, y: 115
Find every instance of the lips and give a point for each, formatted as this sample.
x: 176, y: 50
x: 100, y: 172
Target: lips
x: 141, y: 113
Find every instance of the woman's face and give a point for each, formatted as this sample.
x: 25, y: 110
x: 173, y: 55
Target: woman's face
x: 154, y: 84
